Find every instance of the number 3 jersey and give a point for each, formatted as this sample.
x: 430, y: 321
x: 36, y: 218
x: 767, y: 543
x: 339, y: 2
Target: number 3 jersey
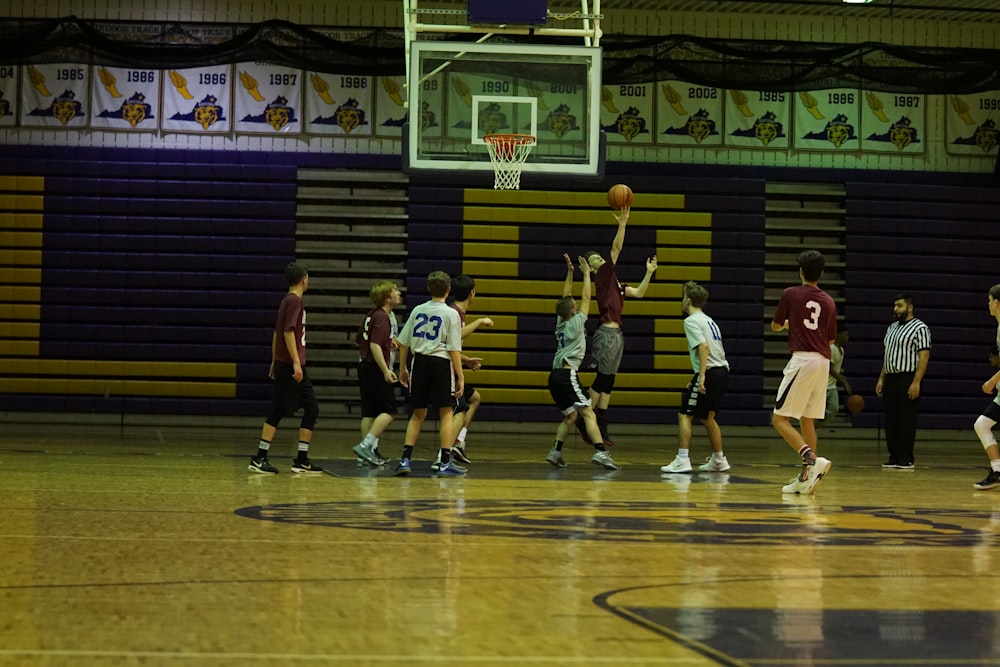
x: 812, y: 319
x: 433, y: 329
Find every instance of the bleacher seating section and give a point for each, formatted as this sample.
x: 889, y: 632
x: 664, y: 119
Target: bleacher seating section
x: 935, y: 242
x: 140, y: 281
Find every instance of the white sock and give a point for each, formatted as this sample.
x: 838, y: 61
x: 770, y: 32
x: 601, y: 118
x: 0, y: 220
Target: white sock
x: 370, y: 440
x: 995, y: 464
x: 461, y: 435
x: 719, y: 455
x: 683, y: 453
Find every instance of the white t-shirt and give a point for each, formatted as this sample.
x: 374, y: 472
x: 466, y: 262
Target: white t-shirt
x: 434, y: 328
x: 700, y: 328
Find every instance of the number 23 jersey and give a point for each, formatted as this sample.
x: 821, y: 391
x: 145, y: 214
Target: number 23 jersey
x: 433, y: 329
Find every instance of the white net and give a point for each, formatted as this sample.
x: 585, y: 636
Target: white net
x: 508, y: 153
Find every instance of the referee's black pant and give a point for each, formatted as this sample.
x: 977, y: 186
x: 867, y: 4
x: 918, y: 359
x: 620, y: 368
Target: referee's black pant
x: 900, y: 417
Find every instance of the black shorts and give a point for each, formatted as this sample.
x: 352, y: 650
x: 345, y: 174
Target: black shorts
x: 564, y: 386
x: 992, y: 411
x: 432, y: 382
x: 462, y: 405
x: 700, y: 405
x: 377, y: 396
x: 290, y: 395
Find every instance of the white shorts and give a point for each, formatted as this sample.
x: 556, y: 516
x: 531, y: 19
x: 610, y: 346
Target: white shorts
x: 803, y: 388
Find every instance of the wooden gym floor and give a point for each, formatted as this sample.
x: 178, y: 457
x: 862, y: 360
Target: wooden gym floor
x: 143, y: 545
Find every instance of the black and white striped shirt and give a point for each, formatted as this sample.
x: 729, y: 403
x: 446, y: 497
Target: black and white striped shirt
x: 903, y: 341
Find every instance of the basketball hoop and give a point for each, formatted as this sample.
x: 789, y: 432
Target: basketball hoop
x: 508, y: 153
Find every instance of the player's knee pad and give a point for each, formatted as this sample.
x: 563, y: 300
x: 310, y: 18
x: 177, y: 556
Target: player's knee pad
x: 984, y: 429
x: 603, y: 383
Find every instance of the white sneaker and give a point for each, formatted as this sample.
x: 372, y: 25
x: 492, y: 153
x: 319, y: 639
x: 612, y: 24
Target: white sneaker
x: 437, y: 463
x: 677, y: 465
x: 555, y: 458
x: 814, y: 476
x: 816, y: 473
x: 713, y: 464
x: 604, y: 459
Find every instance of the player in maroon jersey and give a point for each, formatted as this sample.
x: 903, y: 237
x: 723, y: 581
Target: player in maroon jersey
x: 810, y: 316
x: 292, y: 387
x: 377, y: 345
x: 608, y: 342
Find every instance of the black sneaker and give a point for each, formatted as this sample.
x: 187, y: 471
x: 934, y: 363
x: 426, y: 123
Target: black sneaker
x: 305, y: 467
x: 992, y: 479
x: 458, y: 453
x: 262, y: 466
x: 891, y: 463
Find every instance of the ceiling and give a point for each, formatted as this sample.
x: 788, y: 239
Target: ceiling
x: 975, y: 11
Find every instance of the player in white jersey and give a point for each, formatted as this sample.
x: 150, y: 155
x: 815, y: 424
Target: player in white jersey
x: 702, y: 395
x: 434, y: 333
x: 991, y: 415
x: 564, y: 384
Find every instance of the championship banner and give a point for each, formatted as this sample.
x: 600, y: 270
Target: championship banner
x: 268, y: 99
x: 688, y: 115
x: 54, y: 95
x: 627, y: 113
x: 125, y: 98
x: 971, y: 123
x: 758, y: 119
x: 390, y: 106
x: 430, y: 116
x: 827, y: 120
x: 893, y: 123
x: 561, y: 106
x: 8, y: 95
x: 198, y: 100
x: 339, y: 104
x: 462, y: 88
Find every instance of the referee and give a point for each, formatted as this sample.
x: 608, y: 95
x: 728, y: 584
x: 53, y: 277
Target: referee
x: 907, y: 349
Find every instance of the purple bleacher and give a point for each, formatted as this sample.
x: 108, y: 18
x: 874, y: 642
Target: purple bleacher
x: 161, y: 255
x: 182, y: 280
x: 932, y: 241
x: 157, y: 188
x: 221, y: 208
x: 168, y: 225
x: 67, y: 259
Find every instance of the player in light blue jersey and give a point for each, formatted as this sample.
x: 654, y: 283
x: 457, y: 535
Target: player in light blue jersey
x: 434, y: 333
x: 564, y: 384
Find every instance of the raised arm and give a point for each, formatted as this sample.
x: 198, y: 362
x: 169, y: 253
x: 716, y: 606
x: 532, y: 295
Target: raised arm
x: 585, y: 294
x: 640, y: 291
x: 568, y: 285
x: 619, y: 241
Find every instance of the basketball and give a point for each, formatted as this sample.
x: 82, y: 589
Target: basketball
x: 855, y: 403
x: 619, y: 196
